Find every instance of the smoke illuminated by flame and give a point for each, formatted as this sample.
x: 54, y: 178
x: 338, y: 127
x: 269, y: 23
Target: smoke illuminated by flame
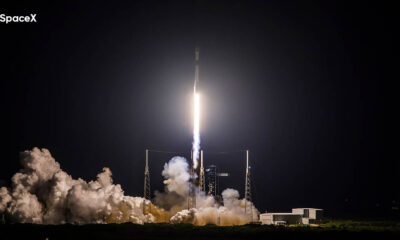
x: 196, y: 130
x: 42, y: 193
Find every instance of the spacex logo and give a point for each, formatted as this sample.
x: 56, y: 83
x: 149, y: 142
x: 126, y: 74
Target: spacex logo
x: 17, y: 19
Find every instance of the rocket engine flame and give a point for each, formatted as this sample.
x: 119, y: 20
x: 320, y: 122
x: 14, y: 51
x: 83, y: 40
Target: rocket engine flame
x: 196, y: 130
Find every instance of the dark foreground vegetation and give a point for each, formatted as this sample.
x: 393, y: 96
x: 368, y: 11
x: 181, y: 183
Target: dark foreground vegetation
x: 329, y: 230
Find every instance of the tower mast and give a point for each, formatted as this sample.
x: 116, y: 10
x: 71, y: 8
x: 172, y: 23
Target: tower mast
x: 146, y: 193
x: 248, y: 209
x: 146, y: 189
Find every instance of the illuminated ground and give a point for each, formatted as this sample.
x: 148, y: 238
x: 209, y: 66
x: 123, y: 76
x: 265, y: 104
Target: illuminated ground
x: 335, y: 230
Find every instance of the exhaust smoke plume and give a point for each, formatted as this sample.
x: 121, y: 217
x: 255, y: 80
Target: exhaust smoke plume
x: 43, y: 193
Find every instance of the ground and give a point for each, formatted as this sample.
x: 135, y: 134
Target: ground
x: 329, y: 230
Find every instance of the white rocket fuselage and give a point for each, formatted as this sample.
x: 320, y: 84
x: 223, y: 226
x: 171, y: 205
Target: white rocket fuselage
x: 196, y: 68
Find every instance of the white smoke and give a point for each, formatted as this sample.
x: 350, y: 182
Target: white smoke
x: 232, y: 212
x: 207, y: 210
x: 43, y: 193
x: 5, y: 198
x: 176, y: 174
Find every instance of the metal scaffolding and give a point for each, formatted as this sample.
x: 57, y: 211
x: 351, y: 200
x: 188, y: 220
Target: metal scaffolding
x: 248, y: 208
x: 147, y: 193
x: 146, y: 189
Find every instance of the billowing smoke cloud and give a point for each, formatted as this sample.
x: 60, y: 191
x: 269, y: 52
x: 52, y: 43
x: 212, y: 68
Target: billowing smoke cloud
x: 43, y: 193
x: 232, y: 212
x: 176, y: 174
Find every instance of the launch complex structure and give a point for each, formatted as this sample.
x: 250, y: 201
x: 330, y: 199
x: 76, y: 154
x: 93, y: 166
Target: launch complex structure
x: 196, y: 154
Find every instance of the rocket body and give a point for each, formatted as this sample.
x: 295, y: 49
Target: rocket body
x: 196, y: 68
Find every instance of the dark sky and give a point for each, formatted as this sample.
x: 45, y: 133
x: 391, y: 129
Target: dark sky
x: 300, y: 84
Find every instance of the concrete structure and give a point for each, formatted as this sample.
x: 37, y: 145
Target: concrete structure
x: 297, y: 216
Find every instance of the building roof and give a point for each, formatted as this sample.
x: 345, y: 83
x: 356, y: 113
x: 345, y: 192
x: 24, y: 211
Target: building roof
x: 281, y: 214
x: 308, y: 208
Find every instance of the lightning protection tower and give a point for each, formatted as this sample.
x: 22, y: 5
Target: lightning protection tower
x: 248, y: 209
x: 146, y: 193
x: 146, y: 189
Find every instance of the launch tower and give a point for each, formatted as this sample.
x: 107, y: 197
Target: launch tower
x: 202, y: 181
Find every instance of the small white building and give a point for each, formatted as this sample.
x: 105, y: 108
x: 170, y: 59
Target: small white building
x: 313, y: 215
x: 297, y: 216
x: 280, y: 218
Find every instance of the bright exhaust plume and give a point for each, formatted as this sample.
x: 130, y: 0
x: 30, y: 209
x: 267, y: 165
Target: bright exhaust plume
x: 196, y: 130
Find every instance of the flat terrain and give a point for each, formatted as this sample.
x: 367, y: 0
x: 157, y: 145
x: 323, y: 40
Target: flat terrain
x: 330, y: 230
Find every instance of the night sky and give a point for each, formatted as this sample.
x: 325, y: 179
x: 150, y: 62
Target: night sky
x: 299, y: 84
